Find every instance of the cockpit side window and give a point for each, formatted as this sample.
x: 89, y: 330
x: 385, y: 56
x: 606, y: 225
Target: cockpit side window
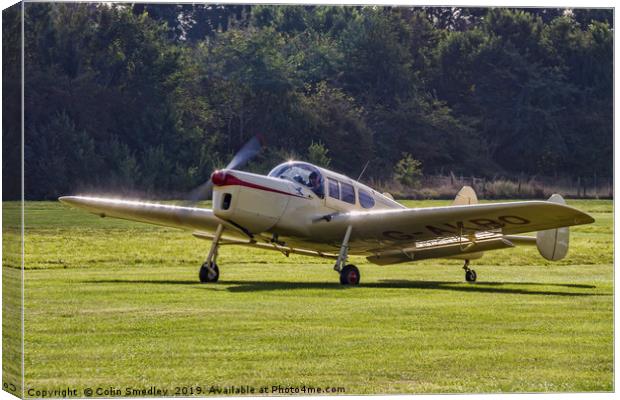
x: 347, y: 193
x: 366, y: 199
x: 334, y: 190
x: 315, y: 183
x: 302, y: 174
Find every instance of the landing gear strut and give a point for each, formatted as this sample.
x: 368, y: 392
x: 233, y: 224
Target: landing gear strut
x: 470, y: 274
x: 209, y: 271
x: 349, y: 274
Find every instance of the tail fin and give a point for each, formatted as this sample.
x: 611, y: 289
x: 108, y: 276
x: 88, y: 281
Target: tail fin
x: 465, y: 196
x: 553, y: 243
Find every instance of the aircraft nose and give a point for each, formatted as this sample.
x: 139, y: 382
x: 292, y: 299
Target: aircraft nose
x: 219, y: 177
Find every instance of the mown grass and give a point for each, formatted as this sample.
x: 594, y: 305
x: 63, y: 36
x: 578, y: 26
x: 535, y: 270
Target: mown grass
x: 115, y: 303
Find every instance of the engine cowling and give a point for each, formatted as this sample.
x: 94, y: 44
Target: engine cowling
x: 253, y: 202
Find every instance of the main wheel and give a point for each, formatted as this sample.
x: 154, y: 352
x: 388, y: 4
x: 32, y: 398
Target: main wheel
x: 209, y: 275
x: 470, y: 275
x: 350, y: 275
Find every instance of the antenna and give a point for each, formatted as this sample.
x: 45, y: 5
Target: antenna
x: 363, y: 170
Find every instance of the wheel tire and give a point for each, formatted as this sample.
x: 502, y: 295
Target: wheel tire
x: 207, y: 276
x: 350, y: 275
x: 470, y: 276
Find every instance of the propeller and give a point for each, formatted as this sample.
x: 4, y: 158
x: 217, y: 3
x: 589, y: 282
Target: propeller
x: 249, y: 150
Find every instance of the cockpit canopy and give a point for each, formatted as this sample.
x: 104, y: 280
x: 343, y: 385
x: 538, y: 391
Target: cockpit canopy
x: 301, y: 173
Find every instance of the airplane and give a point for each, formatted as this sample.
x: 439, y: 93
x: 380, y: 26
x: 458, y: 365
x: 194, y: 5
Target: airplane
x: 301, y: 208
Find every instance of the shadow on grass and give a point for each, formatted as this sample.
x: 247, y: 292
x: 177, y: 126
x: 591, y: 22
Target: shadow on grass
x: 144, y: 281
x: 478, y: 287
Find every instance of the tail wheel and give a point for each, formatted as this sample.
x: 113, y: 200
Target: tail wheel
x: 350, y: 275
x: 209, y: 273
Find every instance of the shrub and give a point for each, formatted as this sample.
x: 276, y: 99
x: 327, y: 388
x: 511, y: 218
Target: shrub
x: 408, y: 171
x: 317, y: 154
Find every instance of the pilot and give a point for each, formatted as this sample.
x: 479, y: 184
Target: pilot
x: 315, y: 184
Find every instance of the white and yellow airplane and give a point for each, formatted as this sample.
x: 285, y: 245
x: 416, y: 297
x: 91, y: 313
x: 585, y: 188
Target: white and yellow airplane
x: 300, y: 208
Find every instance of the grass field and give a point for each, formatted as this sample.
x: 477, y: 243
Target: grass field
x: 112, y: 303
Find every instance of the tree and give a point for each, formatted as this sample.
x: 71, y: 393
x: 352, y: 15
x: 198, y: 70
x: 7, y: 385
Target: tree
x: 408, y: 171
x: 154, y: 97
x: 11, y: 106
x: 586, y: 16
x: 317, y: 154
x: 378, y: 60
x: 328, y: 115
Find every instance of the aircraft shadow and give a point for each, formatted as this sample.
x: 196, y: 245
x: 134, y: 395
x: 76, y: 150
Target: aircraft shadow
x: 481, y: 287
x: 145, y: 281
x: 238, y: 286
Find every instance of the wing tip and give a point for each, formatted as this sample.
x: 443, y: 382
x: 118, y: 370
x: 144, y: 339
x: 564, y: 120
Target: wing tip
x: 66, y: 199
x: 74, y: 201
x: 582, y: 217
x: 585, y: 219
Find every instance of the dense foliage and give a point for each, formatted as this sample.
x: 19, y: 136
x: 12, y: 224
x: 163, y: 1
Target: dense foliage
x: 154, y: 97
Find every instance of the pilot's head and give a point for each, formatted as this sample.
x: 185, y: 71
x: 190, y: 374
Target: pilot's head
x: 314, y: 178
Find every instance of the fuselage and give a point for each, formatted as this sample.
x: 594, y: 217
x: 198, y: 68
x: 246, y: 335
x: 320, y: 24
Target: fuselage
x: 287, y: 203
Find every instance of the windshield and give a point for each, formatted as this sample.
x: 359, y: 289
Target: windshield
x: 301, y: 173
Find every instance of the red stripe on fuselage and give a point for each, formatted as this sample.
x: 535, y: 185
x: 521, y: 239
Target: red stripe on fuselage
x: 232, y: 180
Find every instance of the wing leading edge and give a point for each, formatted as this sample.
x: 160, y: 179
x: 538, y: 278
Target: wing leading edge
x: 399, y: 228
x: 187, y: 218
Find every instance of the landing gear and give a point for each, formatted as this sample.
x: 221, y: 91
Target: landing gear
x: 349, y: 274
x: 209, y: 271
x: 470, y: 274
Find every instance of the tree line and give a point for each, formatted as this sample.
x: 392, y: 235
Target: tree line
x: 153, y: 97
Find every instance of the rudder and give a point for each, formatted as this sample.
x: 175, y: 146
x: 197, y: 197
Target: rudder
x: 552, y: 244
x: 465, y: 196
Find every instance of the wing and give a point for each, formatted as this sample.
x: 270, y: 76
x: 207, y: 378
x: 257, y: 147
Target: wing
x: 188, y: 218
x: 397, y: 229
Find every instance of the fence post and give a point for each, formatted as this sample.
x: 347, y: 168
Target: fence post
x: 595, y: 186
x: 584, y: 188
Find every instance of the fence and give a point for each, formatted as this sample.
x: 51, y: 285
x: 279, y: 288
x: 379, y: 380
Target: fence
x: 446, y: 186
